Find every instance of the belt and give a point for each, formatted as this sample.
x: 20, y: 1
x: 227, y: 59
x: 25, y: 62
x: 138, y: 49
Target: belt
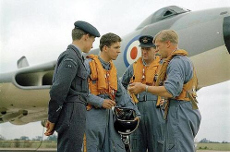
x: 146, y: 98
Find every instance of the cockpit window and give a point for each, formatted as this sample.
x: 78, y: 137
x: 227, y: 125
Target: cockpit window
x: 162, y: 14
x: 167, y: 13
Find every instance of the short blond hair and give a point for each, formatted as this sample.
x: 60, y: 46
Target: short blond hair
x: 167, y: 35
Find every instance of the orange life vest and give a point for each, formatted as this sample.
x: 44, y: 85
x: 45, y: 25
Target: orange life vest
x: 145, y: 74
x: 189, y: 89
x: 102, y: 81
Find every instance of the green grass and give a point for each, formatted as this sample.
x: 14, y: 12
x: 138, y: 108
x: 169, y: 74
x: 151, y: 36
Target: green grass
x: 214, y: 146
x: 27, y: 144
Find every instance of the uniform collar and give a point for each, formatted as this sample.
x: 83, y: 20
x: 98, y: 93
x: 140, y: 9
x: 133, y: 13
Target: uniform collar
x: 77, y: 49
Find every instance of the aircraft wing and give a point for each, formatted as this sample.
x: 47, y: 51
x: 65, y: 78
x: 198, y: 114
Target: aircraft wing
x: 24, y: 94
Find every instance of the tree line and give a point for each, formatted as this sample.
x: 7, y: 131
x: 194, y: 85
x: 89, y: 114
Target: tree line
x: 204, y: 140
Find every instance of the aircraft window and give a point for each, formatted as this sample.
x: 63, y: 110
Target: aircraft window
x: 167, y: 13
x: 162, y: 14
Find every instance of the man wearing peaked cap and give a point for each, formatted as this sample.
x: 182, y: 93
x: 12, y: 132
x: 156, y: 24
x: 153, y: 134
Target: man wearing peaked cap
x: 146, y: 41
x: 149, y: 134
x: 69, y: 92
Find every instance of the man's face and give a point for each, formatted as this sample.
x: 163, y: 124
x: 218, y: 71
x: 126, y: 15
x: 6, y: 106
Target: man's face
x: 114, y: 50
x: 148, y: 53
x: 161, y: 48
x: 89, y: 43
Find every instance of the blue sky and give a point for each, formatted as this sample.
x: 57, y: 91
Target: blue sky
x: 33, y: 28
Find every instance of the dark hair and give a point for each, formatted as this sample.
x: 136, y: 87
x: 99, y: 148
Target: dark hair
x: 108, y: 39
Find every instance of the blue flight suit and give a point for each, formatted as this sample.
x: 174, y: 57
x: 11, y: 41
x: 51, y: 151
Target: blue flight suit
x: 149, y: 135
x: 183, y: 122
x: 67, y: 106
x: 101, y: 135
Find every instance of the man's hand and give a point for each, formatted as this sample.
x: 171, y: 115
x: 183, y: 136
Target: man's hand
x: 136, y: 87
x: 108, y: 104
x: 50, y: 128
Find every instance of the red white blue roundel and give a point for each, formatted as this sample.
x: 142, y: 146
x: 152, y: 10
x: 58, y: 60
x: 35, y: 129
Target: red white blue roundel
x: 132, y: 51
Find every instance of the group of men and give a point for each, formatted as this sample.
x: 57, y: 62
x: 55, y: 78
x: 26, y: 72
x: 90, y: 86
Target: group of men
x: 160, y: 87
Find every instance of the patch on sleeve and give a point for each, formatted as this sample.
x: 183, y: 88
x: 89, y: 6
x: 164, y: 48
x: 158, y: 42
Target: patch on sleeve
x: 69, y: 66
x: 69, y: 63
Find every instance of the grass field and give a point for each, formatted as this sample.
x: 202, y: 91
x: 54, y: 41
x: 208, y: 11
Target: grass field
x: 214, y: 146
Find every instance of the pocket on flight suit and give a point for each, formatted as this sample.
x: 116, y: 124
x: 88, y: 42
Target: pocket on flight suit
x: 161, y: 136
x: 160, y: 146
x: 65, y: 117
x: 172, y: 127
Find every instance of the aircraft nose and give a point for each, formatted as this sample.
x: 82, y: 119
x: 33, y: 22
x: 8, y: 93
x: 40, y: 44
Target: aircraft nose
x: 226, y: 32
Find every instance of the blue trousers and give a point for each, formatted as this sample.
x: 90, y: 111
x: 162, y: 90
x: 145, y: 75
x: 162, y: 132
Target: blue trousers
x: 150, y: 133
x: 71, y: 127
x: 182, y: 125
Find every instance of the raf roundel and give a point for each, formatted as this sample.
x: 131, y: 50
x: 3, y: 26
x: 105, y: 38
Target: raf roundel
x: 132, y: 51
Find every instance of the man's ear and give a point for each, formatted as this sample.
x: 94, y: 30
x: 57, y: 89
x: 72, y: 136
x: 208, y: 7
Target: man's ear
x: 85, y: 37
x: 168, y: 43
x: 105, y: 48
